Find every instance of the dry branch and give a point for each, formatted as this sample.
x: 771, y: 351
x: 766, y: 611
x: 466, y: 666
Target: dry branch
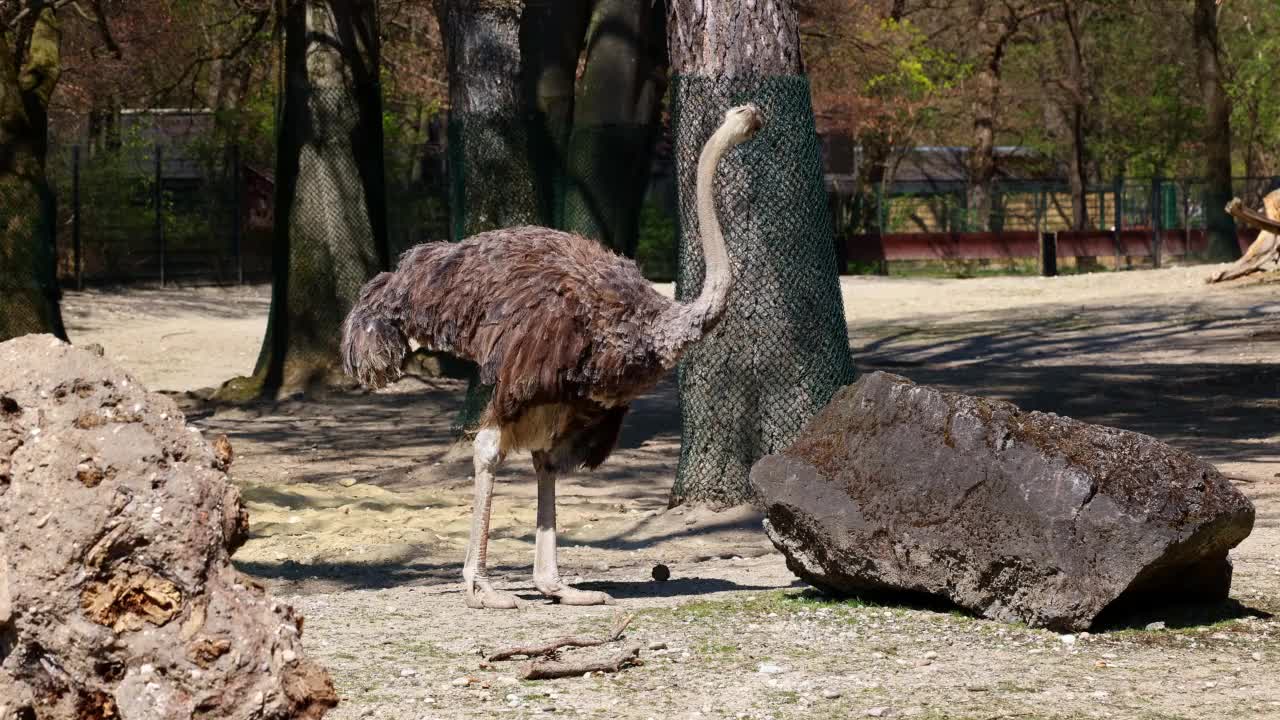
x: 1265, y: 249
x: 550, y: 669
x: 547, y: 648
x: 1237, y: 210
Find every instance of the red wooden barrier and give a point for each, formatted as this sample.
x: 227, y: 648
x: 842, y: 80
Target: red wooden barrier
x: 1023, y: 244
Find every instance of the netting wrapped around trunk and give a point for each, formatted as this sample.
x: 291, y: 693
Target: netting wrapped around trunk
x: 782, y: 349
x: 28, y: 283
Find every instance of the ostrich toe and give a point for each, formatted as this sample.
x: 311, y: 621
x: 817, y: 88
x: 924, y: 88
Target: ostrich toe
x: 484, y: 597
x: 566, y: 595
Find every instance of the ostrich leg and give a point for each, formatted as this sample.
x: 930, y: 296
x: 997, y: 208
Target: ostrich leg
x: 546, y: 574
x: 479, y: 593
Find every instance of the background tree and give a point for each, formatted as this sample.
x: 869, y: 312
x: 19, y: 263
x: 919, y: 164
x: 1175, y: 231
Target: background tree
x: 1217, y: 131
x: 30, y: 66
x: 594, y: 74
x: 330, y: 234
x: 782, y: 348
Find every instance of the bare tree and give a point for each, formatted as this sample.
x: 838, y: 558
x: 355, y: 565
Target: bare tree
x: 1217, y: 131
x: 997, y: 25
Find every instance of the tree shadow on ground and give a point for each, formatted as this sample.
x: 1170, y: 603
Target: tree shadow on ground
x: 1219, y: 409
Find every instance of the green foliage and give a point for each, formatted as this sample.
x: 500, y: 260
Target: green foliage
x: 656, y: 249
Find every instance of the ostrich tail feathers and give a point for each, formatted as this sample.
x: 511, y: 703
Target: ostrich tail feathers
x: 373, y: 344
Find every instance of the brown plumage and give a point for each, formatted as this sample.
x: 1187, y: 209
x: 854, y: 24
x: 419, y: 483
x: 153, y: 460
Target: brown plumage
x: 550, y: 318
x: 567, y: 332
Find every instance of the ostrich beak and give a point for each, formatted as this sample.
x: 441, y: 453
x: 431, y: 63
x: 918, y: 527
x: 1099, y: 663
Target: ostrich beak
x: 755, y: 119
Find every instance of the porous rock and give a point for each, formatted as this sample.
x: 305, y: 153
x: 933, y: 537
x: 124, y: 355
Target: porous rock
x: 117, y: 594
x: 1015, y: 515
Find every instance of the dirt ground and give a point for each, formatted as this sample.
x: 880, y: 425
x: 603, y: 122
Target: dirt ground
x: 360, y: 508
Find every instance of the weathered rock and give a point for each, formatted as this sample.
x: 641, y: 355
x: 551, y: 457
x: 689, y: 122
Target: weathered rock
x: 1018, y: 516
x: 117, y: 595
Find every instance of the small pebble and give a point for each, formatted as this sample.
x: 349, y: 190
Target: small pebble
x: 931, y: 655
x: 831, y: 694
x: 658, y: 646
x: 347, y: 482
x: 878, y: 712
x: 1158, y: 625
x: 602, y: 566
x: 461, y: 682
x: 408, y: 672
x: 1257, y: 657
x: 770, y: 669
x: 1067, y: 639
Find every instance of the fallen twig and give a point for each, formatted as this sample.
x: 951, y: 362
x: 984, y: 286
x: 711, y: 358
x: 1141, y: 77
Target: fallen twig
x: 549, y: 669
x: 547, y: 648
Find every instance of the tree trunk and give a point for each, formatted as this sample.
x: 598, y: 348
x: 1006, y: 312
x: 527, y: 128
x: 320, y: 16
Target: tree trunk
x: 982, y: 162
x: 330, y: 234
x: 615, y: 120
x: 1217, y: 140
x: 28, y: 265
x: 492, y: 179
x: 782, y: 348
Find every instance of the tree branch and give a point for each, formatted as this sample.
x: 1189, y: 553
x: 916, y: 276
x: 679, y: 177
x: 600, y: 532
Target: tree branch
x: 619, y: 626
x: 550, y: 669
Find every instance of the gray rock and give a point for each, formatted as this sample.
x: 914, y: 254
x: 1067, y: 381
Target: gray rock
x: 1018, y: 516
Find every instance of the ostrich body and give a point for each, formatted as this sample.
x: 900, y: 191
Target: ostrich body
x: 567, y: 332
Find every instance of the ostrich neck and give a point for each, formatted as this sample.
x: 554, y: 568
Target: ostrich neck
x: 717, y: 280
x: 685, y: 324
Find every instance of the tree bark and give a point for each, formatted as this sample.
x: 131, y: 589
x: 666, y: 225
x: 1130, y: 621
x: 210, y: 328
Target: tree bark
x: 493, y: 182
x: 782, y: 348
x: 1217, y: 139
x: 29, y: 72
x: 330, y: 234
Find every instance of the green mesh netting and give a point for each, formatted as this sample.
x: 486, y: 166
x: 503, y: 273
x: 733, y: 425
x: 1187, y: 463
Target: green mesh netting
x: 28, y: 283
x: 330, y: 225
x: 491, y: 185
x: 782, y: 349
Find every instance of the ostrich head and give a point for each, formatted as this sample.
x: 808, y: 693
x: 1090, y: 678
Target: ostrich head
x: 741, y: 123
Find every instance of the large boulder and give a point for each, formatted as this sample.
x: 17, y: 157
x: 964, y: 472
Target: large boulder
x: 117, y: 594
x: 1017, y: 516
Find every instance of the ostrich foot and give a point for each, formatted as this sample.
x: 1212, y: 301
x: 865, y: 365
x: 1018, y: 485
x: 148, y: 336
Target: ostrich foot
x: 565, y: 595
x: 482, y: 596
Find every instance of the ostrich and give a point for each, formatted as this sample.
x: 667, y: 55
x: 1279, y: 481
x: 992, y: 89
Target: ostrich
x: 567, y: 332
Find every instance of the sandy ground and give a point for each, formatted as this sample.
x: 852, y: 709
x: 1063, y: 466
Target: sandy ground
x: 360, y: 509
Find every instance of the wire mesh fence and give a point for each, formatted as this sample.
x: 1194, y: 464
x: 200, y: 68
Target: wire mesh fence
x: 202, y: 213
x: 28, y: 288
x: 1043, y: 205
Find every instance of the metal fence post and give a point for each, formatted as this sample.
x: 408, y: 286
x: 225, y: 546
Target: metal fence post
x: 1156, y: 240
x: 157, y: 199
x: 237, y: 213
x: 1048, y: 254
x: 1119, y: 226
x: 75, y: 216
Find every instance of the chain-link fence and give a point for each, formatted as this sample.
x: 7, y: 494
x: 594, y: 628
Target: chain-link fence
x: 782, y: 349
